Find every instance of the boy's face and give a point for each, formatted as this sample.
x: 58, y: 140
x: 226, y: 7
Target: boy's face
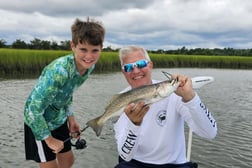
x: 85, y: 55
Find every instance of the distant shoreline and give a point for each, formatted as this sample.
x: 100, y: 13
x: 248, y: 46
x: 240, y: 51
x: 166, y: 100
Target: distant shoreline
x: 25, y: 63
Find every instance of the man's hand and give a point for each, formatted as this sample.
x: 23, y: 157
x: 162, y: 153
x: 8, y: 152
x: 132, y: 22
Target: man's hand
x: 185, y: 89
x: 136, y: 112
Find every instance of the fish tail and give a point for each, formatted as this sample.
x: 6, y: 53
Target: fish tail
x: 94, y: 124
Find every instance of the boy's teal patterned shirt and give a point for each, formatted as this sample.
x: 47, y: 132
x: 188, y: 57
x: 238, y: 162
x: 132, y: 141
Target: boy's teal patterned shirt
x: 50, y: 101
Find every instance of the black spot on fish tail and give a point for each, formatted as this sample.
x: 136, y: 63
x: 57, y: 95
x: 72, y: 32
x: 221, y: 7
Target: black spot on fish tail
x: 95, y: 126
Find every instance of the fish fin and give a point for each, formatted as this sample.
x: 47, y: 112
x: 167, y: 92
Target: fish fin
x: 114, y: 97
x: 146, y: 101
x: 95, y: 126
x: 114, y: 119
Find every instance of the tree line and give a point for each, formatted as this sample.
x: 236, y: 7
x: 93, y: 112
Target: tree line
x: 37, y: 44
x: 65, y: 45
x: 206, y: 51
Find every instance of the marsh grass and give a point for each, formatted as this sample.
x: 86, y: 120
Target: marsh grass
x: 201, y: 61
x: 19, y: 62
x: 109, y: 61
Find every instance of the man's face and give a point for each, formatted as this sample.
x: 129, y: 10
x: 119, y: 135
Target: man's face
x: 138, y: 76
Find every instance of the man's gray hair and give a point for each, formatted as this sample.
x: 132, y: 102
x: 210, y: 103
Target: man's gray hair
x: 124, y: 51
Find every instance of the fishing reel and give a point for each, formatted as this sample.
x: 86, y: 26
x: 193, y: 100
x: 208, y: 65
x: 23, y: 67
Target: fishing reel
x: 79, y: 143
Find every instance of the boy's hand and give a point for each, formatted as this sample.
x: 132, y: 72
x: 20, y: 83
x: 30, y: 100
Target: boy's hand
x: 74, y: 127
x: 55, y: 144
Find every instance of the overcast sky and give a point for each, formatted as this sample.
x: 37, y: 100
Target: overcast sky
x: 154, y: 24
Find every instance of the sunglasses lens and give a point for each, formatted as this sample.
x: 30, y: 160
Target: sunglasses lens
x: 128, y: 67
x: 139, y: 64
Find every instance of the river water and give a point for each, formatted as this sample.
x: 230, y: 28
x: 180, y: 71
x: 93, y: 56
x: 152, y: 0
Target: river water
x: 229, y: 99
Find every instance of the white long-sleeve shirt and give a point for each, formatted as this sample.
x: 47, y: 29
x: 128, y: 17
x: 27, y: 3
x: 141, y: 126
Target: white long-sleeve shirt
x: 160, y: 138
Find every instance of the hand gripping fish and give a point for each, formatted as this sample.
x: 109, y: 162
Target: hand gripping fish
x: 148, y: 93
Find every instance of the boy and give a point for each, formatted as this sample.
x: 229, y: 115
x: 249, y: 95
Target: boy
x: 48, y: 113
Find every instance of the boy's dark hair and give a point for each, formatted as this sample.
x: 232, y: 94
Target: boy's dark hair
x: 90, y: 32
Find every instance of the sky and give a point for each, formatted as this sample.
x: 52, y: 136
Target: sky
x: 153, y: 24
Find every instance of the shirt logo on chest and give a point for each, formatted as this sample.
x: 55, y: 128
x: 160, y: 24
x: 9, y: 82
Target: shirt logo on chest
x: 161, y: 118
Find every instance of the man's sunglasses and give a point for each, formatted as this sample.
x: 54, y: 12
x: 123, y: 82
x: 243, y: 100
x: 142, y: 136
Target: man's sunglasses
x: 139, y: 64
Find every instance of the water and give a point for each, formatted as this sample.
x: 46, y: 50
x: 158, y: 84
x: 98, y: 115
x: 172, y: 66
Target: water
x: 228, y: 98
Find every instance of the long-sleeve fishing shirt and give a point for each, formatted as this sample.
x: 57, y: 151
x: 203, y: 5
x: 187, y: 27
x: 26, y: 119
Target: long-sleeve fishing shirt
x: 50, y: 102
x: 160, y: 138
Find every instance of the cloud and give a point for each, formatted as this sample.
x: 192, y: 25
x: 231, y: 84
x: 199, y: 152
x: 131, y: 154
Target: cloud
x: 162, y: 24
x: 71, y: 8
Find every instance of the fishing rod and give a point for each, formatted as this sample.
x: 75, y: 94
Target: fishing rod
x: 79, y: 143
x: 197, y: 83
